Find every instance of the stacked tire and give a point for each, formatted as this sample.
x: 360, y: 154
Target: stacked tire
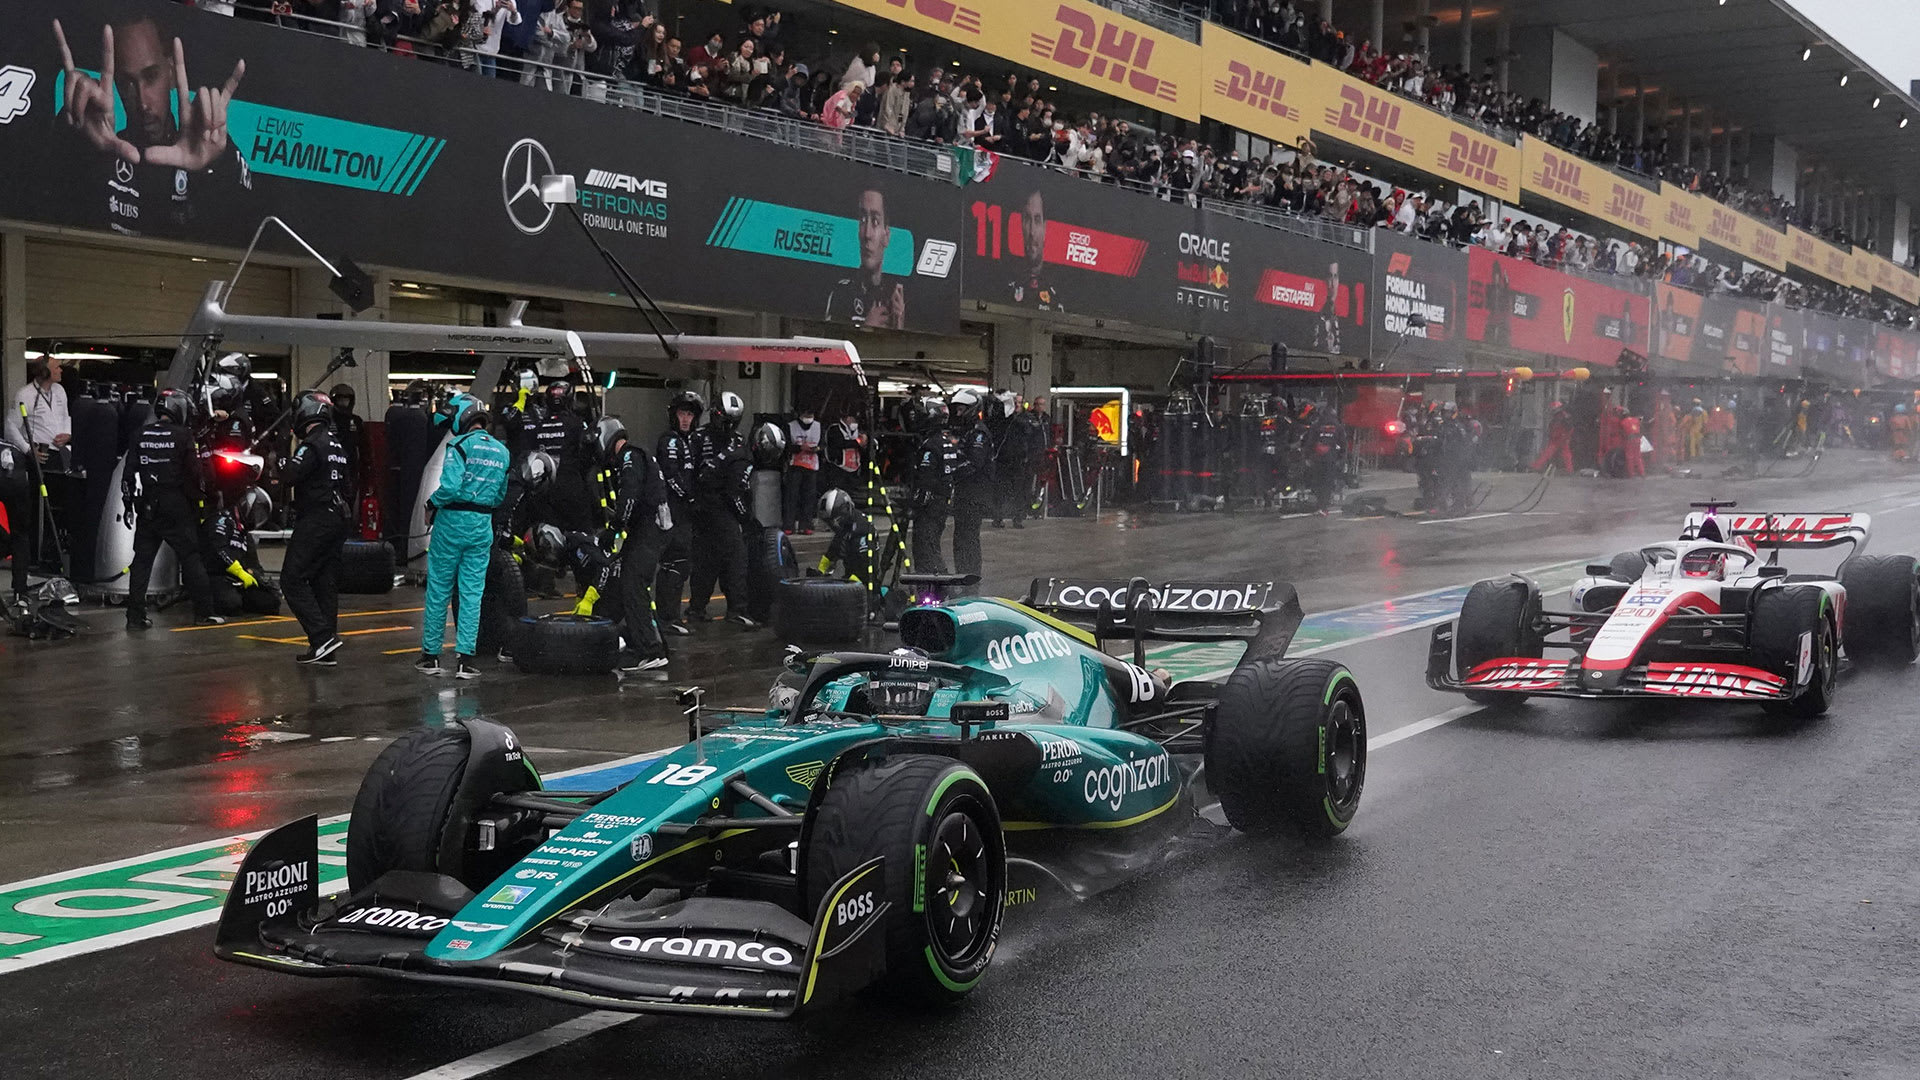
x: 566, y: 645
x: 366, y: 568
x: 770, y: 560
x: 819, y: 611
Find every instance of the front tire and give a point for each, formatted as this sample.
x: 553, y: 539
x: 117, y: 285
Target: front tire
x: 946, y: 876
x: 1780, y: 618
x: 1883, y: 609
x: 405, y: 807
x: 1496, y: 620
x: 1287, y: 748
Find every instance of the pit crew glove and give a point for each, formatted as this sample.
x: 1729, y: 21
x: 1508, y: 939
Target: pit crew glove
x: 242, y: 576
x: 587, y: 599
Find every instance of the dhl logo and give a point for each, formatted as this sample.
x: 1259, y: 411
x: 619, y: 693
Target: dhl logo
x: 1103, y: 50
x: 1836, y: 265
x: 1805, y: 252
x: 1474, y: 160
x: 1766, y: 243
x: 1679, y: 215
x: 943, y: 11
x: 1371, y: 118
x: 1560, y: 177
x: 1256, y: 89
x: 1628, y: 204
x: 1723, y: 225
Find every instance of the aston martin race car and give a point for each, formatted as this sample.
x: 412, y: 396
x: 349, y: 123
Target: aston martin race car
x: 873, y: 825
x: 1706, y: 616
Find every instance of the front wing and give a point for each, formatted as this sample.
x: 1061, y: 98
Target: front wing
x: 1538, y: 677
x: 743, y: 958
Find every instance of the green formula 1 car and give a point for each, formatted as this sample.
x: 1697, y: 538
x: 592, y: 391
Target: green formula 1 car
x: 874, y: 826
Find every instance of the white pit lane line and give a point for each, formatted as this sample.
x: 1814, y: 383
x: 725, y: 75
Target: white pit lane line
x: 486, y: 1061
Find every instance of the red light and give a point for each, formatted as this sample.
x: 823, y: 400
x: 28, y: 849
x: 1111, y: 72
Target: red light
x: 1393, y: 427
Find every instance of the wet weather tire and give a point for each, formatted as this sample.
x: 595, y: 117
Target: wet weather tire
x: 1780, y: 618
x: 404, y: 802
x: 770, y: 558
x: 946, y: 903
x: 1287, y: 748
x: 566, y: 645
x: 366, y: 568
x: 1627, y: 566
x: 819, y: 611
x: 503, y: 605
x: 1883, y: 609
x: 1495, y: 621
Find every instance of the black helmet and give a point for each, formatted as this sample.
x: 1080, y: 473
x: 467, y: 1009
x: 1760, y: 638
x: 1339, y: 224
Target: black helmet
x: 461, y: 412
x: 610, y: 433
x: 728, y: 409
x: 931, y: 411
x: 536, y: 472
x: 837, y: 507
x: 560, y: 397
x: 232, y: 374
x: 254, y: 508
x: 685, y: 401
x: 549, y: 544
x: 313, y: 408
x: 964, y: 406
x: 342, y: 395
x: 175, y: 407
x: 769, y: 445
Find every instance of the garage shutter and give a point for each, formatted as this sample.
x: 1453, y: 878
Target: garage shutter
x: 83, y: 291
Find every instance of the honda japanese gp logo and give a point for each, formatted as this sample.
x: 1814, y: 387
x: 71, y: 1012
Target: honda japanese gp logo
x: 520, y: 175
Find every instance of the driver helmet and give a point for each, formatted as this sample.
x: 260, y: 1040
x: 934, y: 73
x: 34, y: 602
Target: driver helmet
x: 1705, y: 563
x: 900, y: 697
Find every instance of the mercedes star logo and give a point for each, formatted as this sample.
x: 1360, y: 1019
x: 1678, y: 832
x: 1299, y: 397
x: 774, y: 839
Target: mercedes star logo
x: 520, y: 175
x: 122, y: 171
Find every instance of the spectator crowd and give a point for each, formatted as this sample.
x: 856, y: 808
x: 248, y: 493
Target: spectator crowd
x: 607, y: 47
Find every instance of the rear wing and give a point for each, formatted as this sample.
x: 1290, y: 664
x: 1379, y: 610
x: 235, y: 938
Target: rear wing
x: 1786, y: 530
x: 1264, y: 614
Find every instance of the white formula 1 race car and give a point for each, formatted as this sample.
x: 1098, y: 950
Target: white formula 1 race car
x: 1705, y: 616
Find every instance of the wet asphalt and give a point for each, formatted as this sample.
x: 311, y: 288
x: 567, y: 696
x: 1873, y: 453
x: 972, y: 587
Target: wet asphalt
x: 1572, y: 890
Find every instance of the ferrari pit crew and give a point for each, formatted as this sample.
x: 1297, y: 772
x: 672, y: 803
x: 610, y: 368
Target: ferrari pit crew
x: 160, y: 492
x: 310, y: 573
x: 640, y: 523
x: 473, y: 481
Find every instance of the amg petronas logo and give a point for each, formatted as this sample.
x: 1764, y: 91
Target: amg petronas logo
x: 806, y: 772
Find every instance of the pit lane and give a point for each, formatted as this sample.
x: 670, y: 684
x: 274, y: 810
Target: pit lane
x: 1577, y: 890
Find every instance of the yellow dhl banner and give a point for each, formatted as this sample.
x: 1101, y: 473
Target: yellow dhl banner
x: 1680, y: 217
x: 1738, y: 233
x: 1356, y: 112
x: 1860, y: 270
x: 1556, y: 175
x: 1889, y: 278
x: 1067, y: 39
x: 1814, y: 255
x: 1254, y: 88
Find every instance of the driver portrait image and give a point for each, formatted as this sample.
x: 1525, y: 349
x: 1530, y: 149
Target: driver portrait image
x: 1031, y: 288
x: 175, y: 147
x: 867, y: 299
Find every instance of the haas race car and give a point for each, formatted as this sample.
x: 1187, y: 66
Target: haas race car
x: 872, y: 826
x: 1712, y: 615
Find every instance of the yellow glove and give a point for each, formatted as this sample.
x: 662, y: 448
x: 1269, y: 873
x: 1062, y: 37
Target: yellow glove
x: 587, y: 600
x: 240, y: 574
x: 826, y: 564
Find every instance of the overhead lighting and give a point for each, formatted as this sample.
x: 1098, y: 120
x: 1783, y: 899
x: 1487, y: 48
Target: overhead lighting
x: 1806, y: 54
x: 1876, y: 102
x: 65, y: 356
x: 1903, y: 121
x: 1844, y: 77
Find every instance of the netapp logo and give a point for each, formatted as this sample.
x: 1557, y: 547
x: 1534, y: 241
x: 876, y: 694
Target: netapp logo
x: 614, y: 181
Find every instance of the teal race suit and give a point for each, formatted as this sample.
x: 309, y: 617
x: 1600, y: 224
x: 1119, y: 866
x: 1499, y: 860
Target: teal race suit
x: 473, y: 481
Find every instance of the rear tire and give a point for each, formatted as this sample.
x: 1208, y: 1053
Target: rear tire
x: 1883, y: 609
x: 1780, y: 617
x: 366, y: 568
x: 503, y: 604
x: 1287, y: 748
x: 944, y: 921
x: 823, y: 611
x: 566, y: 645
x: 1496, y: 621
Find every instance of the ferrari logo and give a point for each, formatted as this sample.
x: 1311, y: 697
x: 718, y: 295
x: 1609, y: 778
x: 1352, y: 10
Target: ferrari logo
x: 806, y: 772
x: 1566, y: 316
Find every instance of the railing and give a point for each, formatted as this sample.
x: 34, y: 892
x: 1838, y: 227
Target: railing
x: 1169, y: 17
